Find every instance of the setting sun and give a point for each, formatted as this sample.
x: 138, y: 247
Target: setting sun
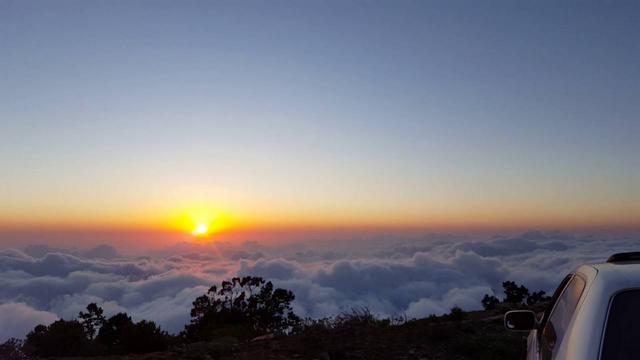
x: 200, y: 222
x: 200, y: 230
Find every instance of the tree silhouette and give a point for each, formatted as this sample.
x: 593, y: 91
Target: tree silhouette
x: 537, y: 297
x: 514, y: 294
x: 489, y: 302
x: 120, y: 335
x: 92, y: 320
x: 145, y: 336
x: 112, y: 333
x: 61, y: 338
x: 243, y: 307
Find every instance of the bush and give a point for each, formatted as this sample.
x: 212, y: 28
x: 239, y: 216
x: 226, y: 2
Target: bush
x: 145, y: 336
x: 116, y: 335
x: 61, y: 338
x: 457, y: 314
x: 433, y: 318
x: 538, y: 297
x: 112, y: 334
x: 514, y: 294
x: 12, y: 350
x: 120, y: 335
x: 241, y: 307
x: 357, y: 317
x: 489, y: 302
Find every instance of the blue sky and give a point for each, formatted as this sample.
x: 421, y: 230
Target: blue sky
x: 362, y: 112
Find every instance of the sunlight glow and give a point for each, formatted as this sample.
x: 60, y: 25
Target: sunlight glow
x: 201, y: 222
x: 200, y: 230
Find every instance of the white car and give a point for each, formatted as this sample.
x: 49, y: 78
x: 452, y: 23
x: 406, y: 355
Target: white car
x: 594, y: 314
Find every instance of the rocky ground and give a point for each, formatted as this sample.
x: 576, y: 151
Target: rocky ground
x: 480, y: 335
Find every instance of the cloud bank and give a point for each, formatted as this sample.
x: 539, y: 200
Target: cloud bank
x: 18, y: 318
x: 415, y: 277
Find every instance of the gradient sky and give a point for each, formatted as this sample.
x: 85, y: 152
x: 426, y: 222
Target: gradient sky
x: 319, y: 114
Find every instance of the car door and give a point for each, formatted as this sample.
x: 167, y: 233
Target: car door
x: 556, y: 322
x: 533, y: 340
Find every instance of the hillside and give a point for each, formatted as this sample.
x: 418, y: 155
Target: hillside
x: 480, y: 335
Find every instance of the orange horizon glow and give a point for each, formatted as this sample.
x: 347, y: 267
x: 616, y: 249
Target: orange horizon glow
x: 226, y: 228
x: 175, y: 209
x: 187, y: 217
x: 218, y: 222
x: 202, y: 222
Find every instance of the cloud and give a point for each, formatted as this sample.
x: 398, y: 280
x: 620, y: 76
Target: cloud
x: 512, y: 246
x: 416, y: 277
x: 17, y: 319
x: 102, y: 251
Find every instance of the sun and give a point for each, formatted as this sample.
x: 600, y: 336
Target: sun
x: 200, y: 223
x: 200, y: 230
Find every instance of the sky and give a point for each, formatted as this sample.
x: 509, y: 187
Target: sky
x: 124, y: 120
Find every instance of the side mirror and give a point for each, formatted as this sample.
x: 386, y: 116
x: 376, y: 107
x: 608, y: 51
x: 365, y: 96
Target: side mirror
x: 520, y: 320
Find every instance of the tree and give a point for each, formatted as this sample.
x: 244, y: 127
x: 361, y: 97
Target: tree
x: 489, y: 302
x: 112, y: 333
x: 514, y: 294
x: 92, y: 320
x: 120, y: 335
x: 538, y: 297
x: 246, y: 306
x: 61, y: 338
x: 145, y: 336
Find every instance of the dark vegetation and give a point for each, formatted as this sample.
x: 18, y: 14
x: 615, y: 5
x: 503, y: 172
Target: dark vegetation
x: 247, y: 318
x: 242, y: 307
x: 515, y: 297
x: 115, y: 335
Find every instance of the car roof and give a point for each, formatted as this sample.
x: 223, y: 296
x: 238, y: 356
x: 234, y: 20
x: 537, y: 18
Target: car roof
x: 625, y: 274
x: 603, y: 282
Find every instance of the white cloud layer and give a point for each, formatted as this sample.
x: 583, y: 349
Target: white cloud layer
x: 18, y: 318
x: 416, y: 277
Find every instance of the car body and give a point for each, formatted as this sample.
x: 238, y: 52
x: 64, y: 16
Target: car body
x: 593, y: 314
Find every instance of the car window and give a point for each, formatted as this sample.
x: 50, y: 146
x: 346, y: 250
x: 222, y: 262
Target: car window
x: 622, y: 335
x: 560, y: 317
x: 555, y: 296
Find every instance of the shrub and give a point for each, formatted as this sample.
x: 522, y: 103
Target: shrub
x: 514, y: 294
x: 538, y: 297
x: 457, y: 314
x: 489, y: 302
x: 357, y: 317
x: 120, y: 335
x: 145, y: 336
x: 433, y: 318
x: 12, y: 350
x: 61, y: 338
x: 112, y: 333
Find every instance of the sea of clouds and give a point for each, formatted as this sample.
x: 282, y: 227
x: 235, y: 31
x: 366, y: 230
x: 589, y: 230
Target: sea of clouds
x: 390, y: 276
